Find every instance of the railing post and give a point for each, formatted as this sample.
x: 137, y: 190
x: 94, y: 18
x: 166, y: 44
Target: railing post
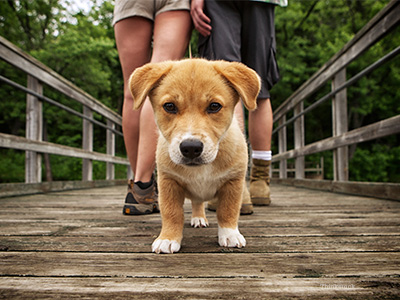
x: 87, y: 144
x: 34, y: 131
x: 339, y: 119
x: 110, y: 175
x: 282, y: 139
x: 299, y: 139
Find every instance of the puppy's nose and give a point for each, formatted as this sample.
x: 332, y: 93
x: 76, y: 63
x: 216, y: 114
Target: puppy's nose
x: 191, y: 148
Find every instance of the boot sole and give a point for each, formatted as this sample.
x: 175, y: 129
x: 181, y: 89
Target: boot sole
x: 140, y: 209
x: 261, y: 201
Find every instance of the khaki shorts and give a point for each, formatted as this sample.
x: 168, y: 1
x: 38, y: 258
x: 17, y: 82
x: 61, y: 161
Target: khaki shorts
x: 146, y: 8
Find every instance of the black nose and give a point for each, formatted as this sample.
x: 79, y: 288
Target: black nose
x: 191, y: 148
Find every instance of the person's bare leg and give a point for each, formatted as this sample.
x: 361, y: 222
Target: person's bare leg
x: 133, y: 38
x: 260, y: 126
x: 170, y: 39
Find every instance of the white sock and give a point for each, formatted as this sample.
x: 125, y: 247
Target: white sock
x: 263, y: 155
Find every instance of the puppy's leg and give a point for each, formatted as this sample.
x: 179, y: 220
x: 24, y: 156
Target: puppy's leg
x: 171, y: 199
x: 198, y: 215
x: 228, y: 211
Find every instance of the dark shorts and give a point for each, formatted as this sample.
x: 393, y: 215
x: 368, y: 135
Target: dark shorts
x: 243, y: 31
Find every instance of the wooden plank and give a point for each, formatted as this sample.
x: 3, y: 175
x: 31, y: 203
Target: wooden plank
x: 225, y: 288
x: 370, y: 132
x: 18, y: 189
x: 68, y: 264
x: 141, y: 243
x: 389, y: 191
x: 15, y: 56
x: 308, y: 243
x: 339, y: 126
x: 34, y: 131
x: 87, y: 144
x: 110, y: 141
x: 299, y: 140
x: 20, y: 143
x: 282, y: 137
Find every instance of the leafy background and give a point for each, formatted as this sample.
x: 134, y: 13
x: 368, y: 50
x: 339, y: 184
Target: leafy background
x: 79, y: 44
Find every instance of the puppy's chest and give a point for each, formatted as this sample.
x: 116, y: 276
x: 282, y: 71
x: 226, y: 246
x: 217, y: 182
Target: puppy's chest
x: 203, y: 184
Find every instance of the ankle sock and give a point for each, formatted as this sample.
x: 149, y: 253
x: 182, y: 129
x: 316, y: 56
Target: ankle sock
x: 144, y: 185
x: 263, y: 155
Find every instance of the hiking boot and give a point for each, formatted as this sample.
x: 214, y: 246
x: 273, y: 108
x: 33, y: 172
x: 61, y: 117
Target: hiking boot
x: 259, y: 182
x: 141, y: 201
x: 245, y: 209
x: 247, y: 205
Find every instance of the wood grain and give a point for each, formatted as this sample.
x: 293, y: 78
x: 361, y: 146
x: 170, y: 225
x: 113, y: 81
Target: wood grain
x: 307, y: 244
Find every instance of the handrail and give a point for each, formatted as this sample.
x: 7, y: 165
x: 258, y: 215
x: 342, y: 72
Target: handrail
x: 57, y: 104
x: 335, y: 69
x: 40, y: 75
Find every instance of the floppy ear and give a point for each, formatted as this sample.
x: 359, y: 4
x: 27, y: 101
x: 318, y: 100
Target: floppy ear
x: 244, y: 80
x: 144, y: 79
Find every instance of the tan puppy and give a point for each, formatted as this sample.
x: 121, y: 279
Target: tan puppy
x: 201, y: 152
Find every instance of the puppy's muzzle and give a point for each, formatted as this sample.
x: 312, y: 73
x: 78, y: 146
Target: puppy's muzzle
x: 191, y: 149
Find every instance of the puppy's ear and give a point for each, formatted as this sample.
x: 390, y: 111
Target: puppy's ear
x: 244, y: 80
x: 144, y: 79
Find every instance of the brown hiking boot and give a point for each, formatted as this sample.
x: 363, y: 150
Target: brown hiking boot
x: 259, y: 182
x: 141, y: 201
x: 245, y: 209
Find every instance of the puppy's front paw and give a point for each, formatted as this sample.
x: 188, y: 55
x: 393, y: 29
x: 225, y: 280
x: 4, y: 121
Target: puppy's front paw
x: 165, y: 246
x: 199, y: 222
x: 228, y: 237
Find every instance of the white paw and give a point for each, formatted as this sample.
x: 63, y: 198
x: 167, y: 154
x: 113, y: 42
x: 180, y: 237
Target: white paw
x: 165, y: 246
x: 228, y: 237
x: 199, y: 222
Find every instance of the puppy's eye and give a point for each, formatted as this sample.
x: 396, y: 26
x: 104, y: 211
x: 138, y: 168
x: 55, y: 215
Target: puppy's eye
x: 170, y: 108
x: 214, y: 108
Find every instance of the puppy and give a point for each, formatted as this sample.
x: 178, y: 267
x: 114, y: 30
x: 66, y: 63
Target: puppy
x: 201, y: 151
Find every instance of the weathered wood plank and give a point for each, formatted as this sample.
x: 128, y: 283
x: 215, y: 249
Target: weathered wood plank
x: 340, y: 126
x: 282, y: 138
x: 87, y: 144
x: 110, y: 141
x: 21, y: 189
x: 34, y: 131
x: 194, y: 288
x: 15, y: 56
x: 82, y: 228
x: 67, y: 264
x: 389, y: 191
x: 20, y: 143
x: 370, y: 132
x: 308, y: 243
x: 299, y: 141
x: 141, y: 242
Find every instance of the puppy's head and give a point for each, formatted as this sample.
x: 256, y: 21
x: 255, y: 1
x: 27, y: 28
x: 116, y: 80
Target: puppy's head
x: 193, y: 102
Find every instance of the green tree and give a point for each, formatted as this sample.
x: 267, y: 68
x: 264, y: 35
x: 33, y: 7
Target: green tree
x: 311, y: 32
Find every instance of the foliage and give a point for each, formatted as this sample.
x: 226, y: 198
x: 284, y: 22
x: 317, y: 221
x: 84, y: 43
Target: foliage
x: 81, y: 47
x: 308, y: 34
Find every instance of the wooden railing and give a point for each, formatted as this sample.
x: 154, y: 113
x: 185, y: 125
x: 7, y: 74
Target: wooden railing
x: 39, y: 76
x: 335, y: 70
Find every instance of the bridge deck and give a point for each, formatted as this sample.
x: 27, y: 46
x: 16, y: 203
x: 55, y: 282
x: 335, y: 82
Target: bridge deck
x: 312, y: 244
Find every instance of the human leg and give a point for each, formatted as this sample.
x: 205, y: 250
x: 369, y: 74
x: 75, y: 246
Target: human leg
x: 258, y: 52
x: 260, y: 133
x: 170, y: 40
x: 133, y: 53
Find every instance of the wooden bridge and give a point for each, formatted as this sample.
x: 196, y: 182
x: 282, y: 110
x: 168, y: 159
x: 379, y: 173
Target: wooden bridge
x: 319, y: 239
x: 307, y: 244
